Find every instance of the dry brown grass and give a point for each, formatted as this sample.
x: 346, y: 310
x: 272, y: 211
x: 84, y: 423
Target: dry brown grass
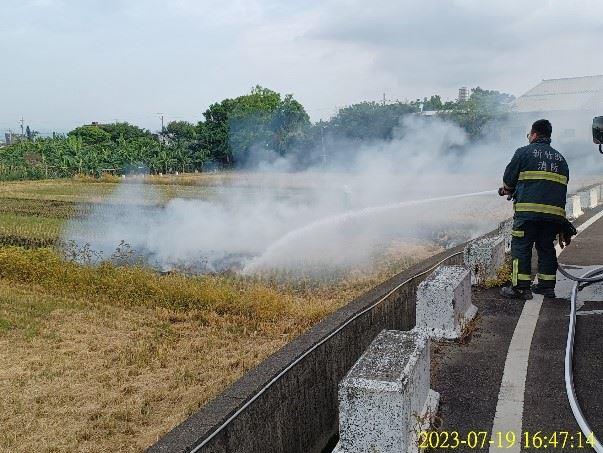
x: 87, y: 376
x: 248, y: 179
x: 109, y: 359
x: 88, y: 370
x: 88, y: 190
x: 186, y: 185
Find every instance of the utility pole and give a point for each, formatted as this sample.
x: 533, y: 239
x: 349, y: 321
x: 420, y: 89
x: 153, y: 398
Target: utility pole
x: 384, y: 99
x: 161, y: 116
x: 322, y: 142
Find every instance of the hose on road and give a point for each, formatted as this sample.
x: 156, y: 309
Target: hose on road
x: 592, y: 276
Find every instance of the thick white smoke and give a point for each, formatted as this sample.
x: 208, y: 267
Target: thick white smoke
x: 336, y: 217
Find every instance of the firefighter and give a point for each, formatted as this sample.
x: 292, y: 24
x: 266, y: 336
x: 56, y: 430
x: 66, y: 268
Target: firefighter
x: 536, y: 178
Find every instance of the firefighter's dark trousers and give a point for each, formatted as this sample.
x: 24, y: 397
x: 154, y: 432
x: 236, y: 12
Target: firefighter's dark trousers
x: 526, y: 234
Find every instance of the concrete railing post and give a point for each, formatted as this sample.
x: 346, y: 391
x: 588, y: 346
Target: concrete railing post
x: 484, y: 257
x: 385, y: 400
x: 594, y: 196
x: 589, y: 198
x: 573, y: 207
x: 504, y: 229
x: 444, y: 303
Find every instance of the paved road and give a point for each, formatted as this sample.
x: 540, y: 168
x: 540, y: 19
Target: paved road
x: 469, y: 376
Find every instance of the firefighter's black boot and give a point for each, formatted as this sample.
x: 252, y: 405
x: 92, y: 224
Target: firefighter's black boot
x: 545, y: 291
x: 513, y: 292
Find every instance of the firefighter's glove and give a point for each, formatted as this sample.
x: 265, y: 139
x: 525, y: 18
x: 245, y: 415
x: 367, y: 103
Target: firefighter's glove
x: 564, y: 240
x: 565, y: 235
x: 504, y: 191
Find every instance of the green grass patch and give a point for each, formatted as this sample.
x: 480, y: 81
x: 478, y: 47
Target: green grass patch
x: 4, y: 324
x: 41, y: 208
x: 29, y: 231
x: 57, y: 189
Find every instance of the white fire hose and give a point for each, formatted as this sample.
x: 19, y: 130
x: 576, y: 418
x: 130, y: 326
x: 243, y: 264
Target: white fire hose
x: 592, y: 276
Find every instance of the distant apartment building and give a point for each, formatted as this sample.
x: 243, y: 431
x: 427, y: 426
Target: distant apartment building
x: 10, y: 138
x: 464, y: 94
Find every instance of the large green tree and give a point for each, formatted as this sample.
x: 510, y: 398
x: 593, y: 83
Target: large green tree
x: 126, y: 130
x: 265, y: 120
x: 91, y: 135
x: 482, y: 108
x: 213, y: 132
x: 368, y: 120
x: 260, y: 120
x: 181, y: 131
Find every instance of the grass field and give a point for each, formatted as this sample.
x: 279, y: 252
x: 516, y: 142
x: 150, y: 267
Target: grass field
x: 32, y: 212
x: 109, y: 358
x: 87, y: 191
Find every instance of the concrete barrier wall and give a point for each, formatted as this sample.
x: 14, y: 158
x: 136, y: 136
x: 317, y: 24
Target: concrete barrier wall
x: 278, y: 409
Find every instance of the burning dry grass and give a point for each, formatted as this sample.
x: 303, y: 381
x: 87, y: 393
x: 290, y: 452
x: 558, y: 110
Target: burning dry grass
x: 108, y: 359
x: 233, y: 179
x: 137, y: 286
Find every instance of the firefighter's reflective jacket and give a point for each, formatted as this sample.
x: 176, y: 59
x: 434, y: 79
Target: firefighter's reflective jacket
x: 539, y: 174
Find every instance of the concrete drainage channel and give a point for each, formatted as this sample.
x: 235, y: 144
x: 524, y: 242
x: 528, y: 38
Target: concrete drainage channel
x: 366, y: 366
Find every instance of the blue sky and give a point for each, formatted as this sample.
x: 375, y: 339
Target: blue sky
x: 67, y: 62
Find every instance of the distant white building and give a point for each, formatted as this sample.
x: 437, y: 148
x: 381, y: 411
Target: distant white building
x: 569, y: 104
x: 563, y: 95
x: 10, y: 138
x: 464, y: 94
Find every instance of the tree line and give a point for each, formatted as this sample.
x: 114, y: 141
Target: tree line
x: 260, y: 125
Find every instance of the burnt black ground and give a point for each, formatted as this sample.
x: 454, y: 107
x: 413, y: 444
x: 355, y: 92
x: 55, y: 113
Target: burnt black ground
x: 468, y: 376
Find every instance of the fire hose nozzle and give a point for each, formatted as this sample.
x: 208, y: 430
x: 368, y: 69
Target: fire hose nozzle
x: 502, y: 191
